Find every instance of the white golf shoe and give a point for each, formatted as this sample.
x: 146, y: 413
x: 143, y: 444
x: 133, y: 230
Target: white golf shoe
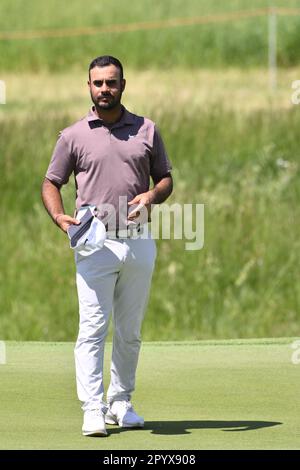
x: 94, y: 423
x: 123, y: 414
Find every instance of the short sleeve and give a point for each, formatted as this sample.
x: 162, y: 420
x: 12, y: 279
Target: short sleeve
x: 160, y: 164
x: 62, y: 164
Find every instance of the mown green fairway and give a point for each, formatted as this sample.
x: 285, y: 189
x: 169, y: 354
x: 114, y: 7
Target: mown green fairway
x: 197, y: 395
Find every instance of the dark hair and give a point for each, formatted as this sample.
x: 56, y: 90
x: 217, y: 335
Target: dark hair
x: 105, y: 60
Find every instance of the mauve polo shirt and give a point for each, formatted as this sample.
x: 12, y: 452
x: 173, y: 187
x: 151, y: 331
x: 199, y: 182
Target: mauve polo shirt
x: 109, y: 161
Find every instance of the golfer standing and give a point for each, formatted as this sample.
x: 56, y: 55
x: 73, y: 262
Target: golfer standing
x: 112, y: 154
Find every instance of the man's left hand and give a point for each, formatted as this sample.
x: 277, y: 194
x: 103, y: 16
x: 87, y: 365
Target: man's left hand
x: 141, y: 200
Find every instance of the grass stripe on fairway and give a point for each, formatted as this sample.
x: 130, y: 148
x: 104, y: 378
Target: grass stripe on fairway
x: 198, y: 395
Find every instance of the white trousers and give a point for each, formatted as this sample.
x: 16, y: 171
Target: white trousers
x: 115, y: 279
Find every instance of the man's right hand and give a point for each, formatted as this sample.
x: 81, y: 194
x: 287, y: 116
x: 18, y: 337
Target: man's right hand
x: 64, y: 221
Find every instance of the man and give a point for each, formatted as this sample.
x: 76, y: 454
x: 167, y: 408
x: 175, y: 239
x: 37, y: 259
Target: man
x: 112, y: 153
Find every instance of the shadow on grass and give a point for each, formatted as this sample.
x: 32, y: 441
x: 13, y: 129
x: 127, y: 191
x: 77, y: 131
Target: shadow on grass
x: 185, y: 427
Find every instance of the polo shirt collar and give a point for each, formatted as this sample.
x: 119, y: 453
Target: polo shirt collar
x: 126, y: 117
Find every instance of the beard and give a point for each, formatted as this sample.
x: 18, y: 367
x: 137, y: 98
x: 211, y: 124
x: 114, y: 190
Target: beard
x: 111, y: 103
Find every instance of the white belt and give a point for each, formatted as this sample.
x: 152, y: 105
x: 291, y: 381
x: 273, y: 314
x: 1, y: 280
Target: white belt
x: 130, y: 232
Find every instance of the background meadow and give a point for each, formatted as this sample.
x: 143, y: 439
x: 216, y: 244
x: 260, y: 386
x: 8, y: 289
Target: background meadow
x: 232, y: 142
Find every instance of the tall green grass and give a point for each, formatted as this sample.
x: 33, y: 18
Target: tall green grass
x: 243, y: 42
x: 243, y: 283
